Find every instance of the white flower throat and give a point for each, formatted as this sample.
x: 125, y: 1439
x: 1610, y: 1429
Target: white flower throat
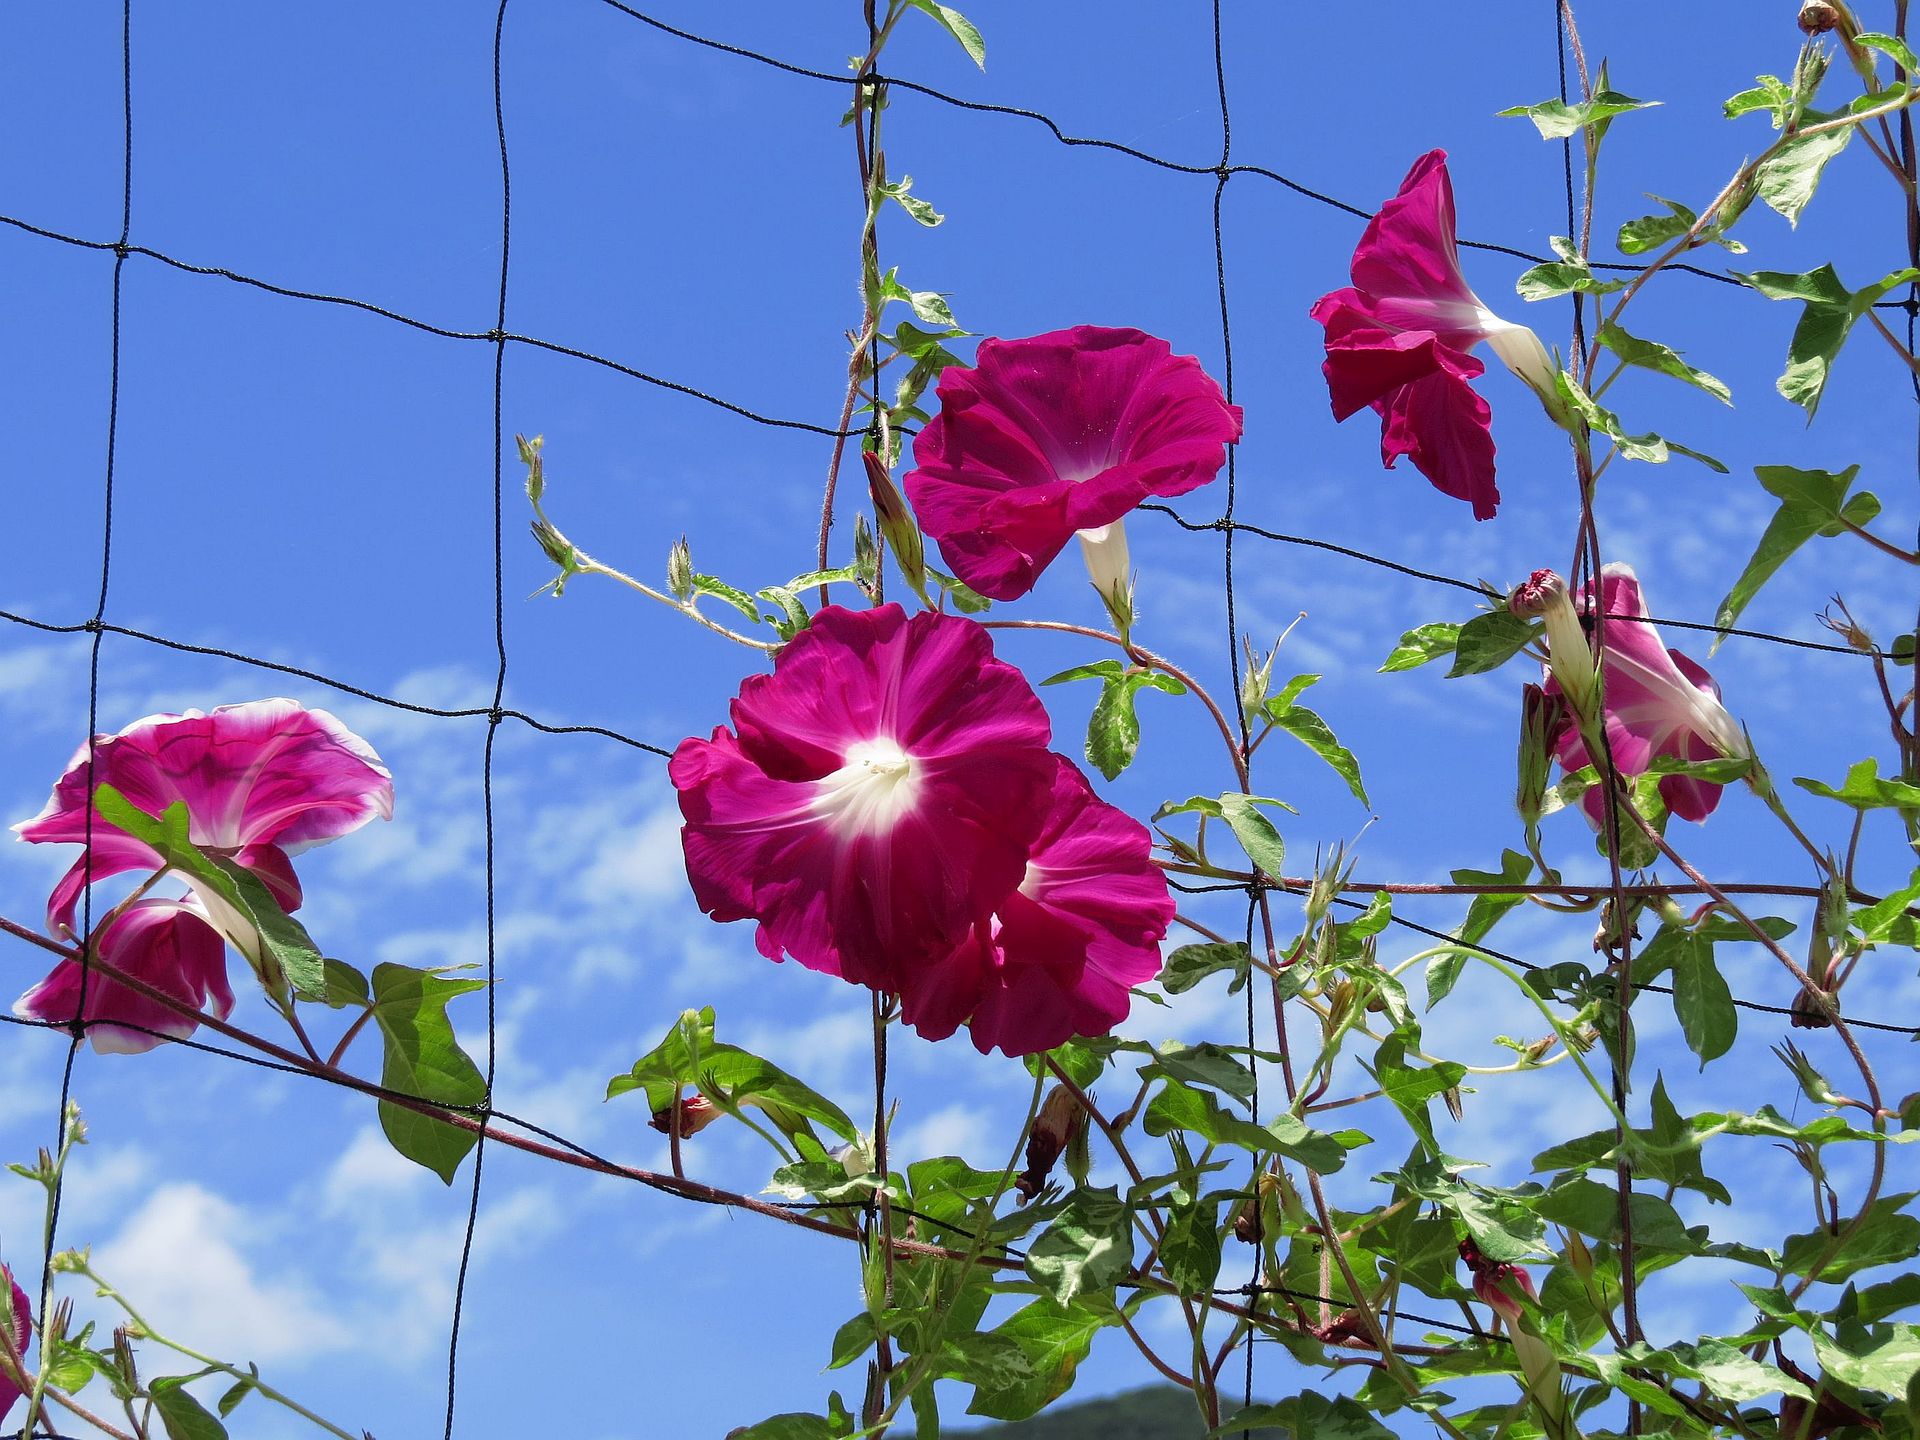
x: 876, y: 784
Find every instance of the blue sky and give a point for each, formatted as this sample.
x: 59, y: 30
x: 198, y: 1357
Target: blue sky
x: 312, y: 485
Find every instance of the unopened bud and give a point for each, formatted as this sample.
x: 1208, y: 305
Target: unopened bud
x: 1053, y: 1130
x: 896, y: 524
x: 60, y: 1321
x: 1543, y: 722
x: 536, y: 470
x: 1817, y: 17
x: 123, y: 1358
x: 866, y: 556
x: 1451, y: 1098
x: 1259, y: 678
x: 1544, y: 596
x: 1579, y: 1257
x: 560, y: 551
x: 680, y: 570
x: 1111, y: 569
x: 1250, y: 1225
x: 696, y: 1113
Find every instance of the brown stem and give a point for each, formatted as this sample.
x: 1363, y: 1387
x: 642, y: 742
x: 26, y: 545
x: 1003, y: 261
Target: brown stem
x: 1186, y: 1381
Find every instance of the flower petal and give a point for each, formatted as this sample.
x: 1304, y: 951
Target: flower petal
x: 266, y: 771
x: 1060, y: 432
x: 866, y: 874
x: 168, y: 944
x: 1445, y: 428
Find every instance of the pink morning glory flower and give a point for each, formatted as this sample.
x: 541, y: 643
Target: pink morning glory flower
x: 1061, y: 435
x: 1062, y: 950
x: 877, y: 795
x: 1655, y: 701
x: 22, y: 1335
x: 1398, y: 340
x: 261, y: 781
x: 167, y: 943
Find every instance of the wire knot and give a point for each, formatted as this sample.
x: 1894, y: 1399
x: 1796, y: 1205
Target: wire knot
x: 122, y: 249
x: 495, y: 716
x: 93, y: 626
x: 497, y: 335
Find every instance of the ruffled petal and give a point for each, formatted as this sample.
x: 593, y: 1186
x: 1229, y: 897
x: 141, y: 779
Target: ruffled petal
x: 268, y: 771
x: 1061, y: 432
x: 1443, y: 426
x: 881, y: 796
x: 168, y: 944
x: 22, y: 1334
x: 1066, y: 947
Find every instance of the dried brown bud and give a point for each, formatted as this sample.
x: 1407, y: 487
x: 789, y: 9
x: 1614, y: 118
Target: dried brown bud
x: 1817, y: 17
x: 1812, y: 1010
x: 1059, y: 1120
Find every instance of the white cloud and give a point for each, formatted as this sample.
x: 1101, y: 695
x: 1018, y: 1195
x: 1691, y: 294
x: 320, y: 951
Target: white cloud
x: 181, y: 1257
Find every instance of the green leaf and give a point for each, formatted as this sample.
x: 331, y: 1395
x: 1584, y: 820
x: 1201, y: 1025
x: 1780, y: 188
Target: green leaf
x: 423, y: 1058
x: 1086, y: 1250
x: 1206, y: 1065
x: 1556, y: 119
x: 1056, y: 1340
x: 792, y: 1426
x: 230, y: 1401
x: 1885, y: 1359
x: 1423, y: 643
x: 1787, y: 178
x: 283, y: 955
x: 344, y: 985
x: 958, y: 26
x: 1488, y: 641
x: 1190, y: 964
x: 1568, y: 276
x: 1771, y: 94
x: 689, y: 1057
x: 1823, y: 327
x: 185, y: 1417
x: 1863, y: 789
x: 1098, y: 670
x: 1894, y: 48
x: 1313, y: 732
x: 1411, y: 1087
x: 1636, y: 237
x: 1651, y: 355
x: 1886, y: 1237
x: 1307, y: 1416
x: 720, y: 590
x: 1812, y: 503
x: 1255, y: 832
x: 1180, y: 1107
x: 1702, y: 1000
x: 852, y: 1340
x: 1649, y: 447
x: 901, y: 192
x: 964, y: 598
x: 1190, y: 1254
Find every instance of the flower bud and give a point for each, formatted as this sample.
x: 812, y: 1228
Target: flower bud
x: 560, y: 551
x: 1054, y: 1128
x: 1111, y: 569
x: 1543, y: 720
x: 696, y: 1113
x: 896, y: 524
x: 1817, y: 17
x: 866, y: 557
x: 680, y: 571
x: 536, y: 470
x: 1544, y: 596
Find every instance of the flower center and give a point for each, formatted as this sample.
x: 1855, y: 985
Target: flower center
x: 874, y: 786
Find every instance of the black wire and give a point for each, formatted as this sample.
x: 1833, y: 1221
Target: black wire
x: 492, y: 337
x: 1474, y: 587
x: 343, y: 686
x: 494, y: 716
x: 57, y: 1190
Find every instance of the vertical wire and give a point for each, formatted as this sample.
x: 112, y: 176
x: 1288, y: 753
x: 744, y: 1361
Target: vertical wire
x: 98, y: 634
x: 1223, y: 174
x: 495, y: 714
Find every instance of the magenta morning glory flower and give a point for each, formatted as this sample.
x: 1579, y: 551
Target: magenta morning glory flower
x: 877, y: 795
x: 167, y: 943
x: 1057, y: 435
x: 260, y: 781
x: 1656, y: 701
x: 1398, y: 341
x: 1062, y: 950
x: 22, y: 1335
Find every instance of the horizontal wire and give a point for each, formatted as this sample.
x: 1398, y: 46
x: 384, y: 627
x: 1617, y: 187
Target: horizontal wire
x: 490, y: 337
x: 1473, y: 587
x: 345, y: 687
x: 1433, y: 934
x: 983, y: 107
